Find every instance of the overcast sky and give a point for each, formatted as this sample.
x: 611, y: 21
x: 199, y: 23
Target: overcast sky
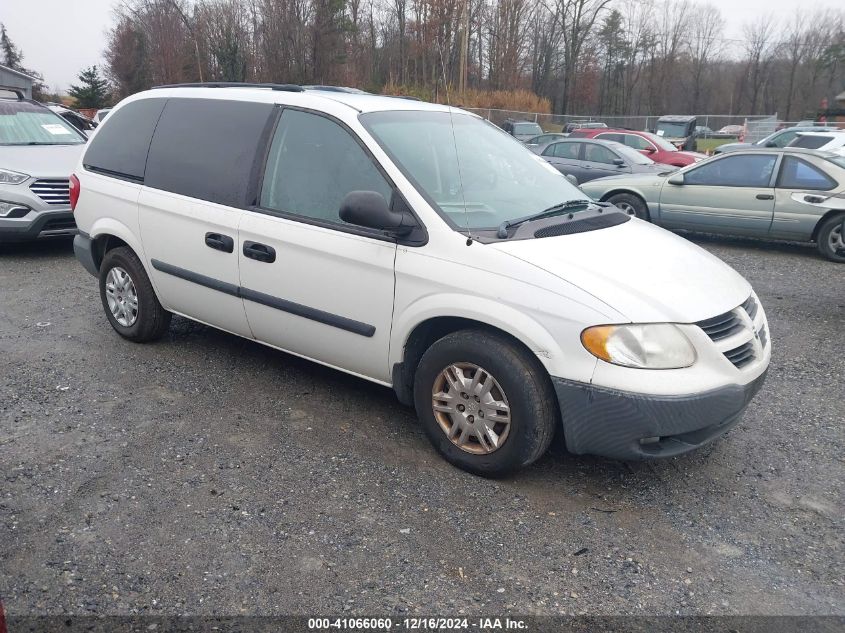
x: 60, y: 37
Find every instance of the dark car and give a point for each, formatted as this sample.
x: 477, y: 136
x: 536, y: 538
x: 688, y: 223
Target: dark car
x: 522, y: 130
x: 583, y: 125
x: 587, y: 159
x: 543, y: 139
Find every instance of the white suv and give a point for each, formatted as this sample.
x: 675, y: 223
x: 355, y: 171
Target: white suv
x: 421, y: 248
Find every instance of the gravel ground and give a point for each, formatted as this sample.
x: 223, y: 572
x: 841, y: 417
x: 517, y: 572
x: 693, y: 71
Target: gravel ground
x: 207, y: 474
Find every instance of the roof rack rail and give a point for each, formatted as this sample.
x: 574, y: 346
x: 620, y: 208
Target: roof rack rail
x: 235, y: 84
x: 18, y: 92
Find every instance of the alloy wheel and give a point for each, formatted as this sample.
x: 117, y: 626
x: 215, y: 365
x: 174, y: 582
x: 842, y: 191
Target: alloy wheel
x: 471, y: 408
x: 121, y: 296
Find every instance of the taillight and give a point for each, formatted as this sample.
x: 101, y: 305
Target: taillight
x: 74, y: 191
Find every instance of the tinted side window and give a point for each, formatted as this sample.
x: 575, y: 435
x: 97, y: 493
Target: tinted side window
x: 312, y: 165
x: 206, y: 148
x: 734, y: 171
x: 798, y: 174
x: 121, y: 146
x: 811, y: 142
x: 610, y: 137
x: 637, y: 142
x: 566, y: 150
x: 599, y: 154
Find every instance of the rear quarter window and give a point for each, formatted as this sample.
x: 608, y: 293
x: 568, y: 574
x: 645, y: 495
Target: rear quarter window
x: 206, y: 148
x: 120, y: 147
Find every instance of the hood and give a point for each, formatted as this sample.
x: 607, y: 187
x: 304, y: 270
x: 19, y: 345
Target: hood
x: 642, y: 271
x: 41, y: 161
x: 656, y: 168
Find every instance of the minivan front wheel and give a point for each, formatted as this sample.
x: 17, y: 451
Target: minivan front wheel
x: 128, y: 297
x: 484, y: 402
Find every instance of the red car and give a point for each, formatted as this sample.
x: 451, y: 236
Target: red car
x: 656, y: 148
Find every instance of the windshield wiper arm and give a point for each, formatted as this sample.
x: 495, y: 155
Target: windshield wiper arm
x: 502, y: 233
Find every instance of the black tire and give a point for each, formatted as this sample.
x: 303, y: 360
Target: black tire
x: 629, y: 202
x: 831, y: 226
x: 533, y: 407
x: 152, y: 321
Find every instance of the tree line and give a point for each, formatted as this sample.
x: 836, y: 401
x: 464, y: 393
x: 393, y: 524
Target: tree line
x: 608, y: 57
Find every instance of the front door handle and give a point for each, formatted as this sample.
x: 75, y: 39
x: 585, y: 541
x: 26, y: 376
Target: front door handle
x: 220, y: 242
x: 765, y: 196
x: 260, y: 252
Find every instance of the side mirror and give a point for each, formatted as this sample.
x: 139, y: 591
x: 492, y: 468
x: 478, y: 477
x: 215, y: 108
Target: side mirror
x: 369, y: 209
x: 618, y: 162
x: 676, y: 179
x: 771, y: 144
x: 649, y: 150
x: 572, y: 179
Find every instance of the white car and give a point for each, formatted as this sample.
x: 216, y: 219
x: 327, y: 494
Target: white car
x: 833, y: 141
x: 421, y: 248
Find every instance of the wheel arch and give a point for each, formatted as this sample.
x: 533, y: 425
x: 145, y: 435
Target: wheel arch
x: 109, y: 234
x: 829, y: 214
x: 424, y: 333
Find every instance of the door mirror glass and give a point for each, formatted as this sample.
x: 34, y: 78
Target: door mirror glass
x: 771, y: 144
x: 369, y: 209
x: 649, y: 150
x: 676, y: 179
x: 618, y: 162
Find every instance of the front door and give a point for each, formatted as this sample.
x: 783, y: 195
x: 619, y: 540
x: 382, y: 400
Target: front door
x: 313, y: 285
x: 731, y: 194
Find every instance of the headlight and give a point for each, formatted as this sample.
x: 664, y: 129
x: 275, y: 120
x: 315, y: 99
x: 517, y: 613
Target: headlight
x: 6, y: 209
x: 11, y: 177
x: 649, y: 346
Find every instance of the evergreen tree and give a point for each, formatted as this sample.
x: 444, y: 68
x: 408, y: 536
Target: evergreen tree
x: 92, y: 92
x: 12, y: 56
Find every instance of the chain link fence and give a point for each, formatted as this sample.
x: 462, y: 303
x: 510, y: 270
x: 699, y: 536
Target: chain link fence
x: 726, y: 126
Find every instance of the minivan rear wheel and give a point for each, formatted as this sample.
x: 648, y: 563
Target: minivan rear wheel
x: 831, y: 239
x: 630, y: 204
x: 484, y: 402
x: 128, y: 297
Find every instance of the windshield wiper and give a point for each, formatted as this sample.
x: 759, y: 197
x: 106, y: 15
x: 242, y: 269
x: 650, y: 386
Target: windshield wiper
x: 553, y: 210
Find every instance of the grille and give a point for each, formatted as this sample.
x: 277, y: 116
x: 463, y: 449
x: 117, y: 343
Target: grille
x: 582, y: 226
x: 722, y: 326
x: 750, y: 306
x: 52, y: 190
x: 742, y: 355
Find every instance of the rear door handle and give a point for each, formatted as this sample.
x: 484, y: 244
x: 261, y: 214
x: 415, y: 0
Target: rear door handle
x: 260, y: 252
x: 765, y: 196
x: 220, y: 242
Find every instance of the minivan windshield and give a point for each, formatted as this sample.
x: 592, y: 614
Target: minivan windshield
x: 24, y: 123
x: 475, y: 174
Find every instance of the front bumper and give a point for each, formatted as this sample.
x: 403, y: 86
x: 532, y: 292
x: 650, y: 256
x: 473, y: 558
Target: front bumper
x: 612, y: 423
x: 38, y: 225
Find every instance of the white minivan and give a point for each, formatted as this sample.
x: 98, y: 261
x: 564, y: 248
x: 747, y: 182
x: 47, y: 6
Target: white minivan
x: 422, y: 248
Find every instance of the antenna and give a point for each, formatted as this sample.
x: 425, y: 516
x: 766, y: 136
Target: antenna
x: 454, y: 142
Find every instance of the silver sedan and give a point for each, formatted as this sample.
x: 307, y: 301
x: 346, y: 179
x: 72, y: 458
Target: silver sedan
x: 789, y: 193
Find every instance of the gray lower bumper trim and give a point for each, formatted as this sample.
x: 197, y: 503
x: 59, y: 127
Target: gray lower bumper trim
x: 611, y: 423
x: 83, y: 249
